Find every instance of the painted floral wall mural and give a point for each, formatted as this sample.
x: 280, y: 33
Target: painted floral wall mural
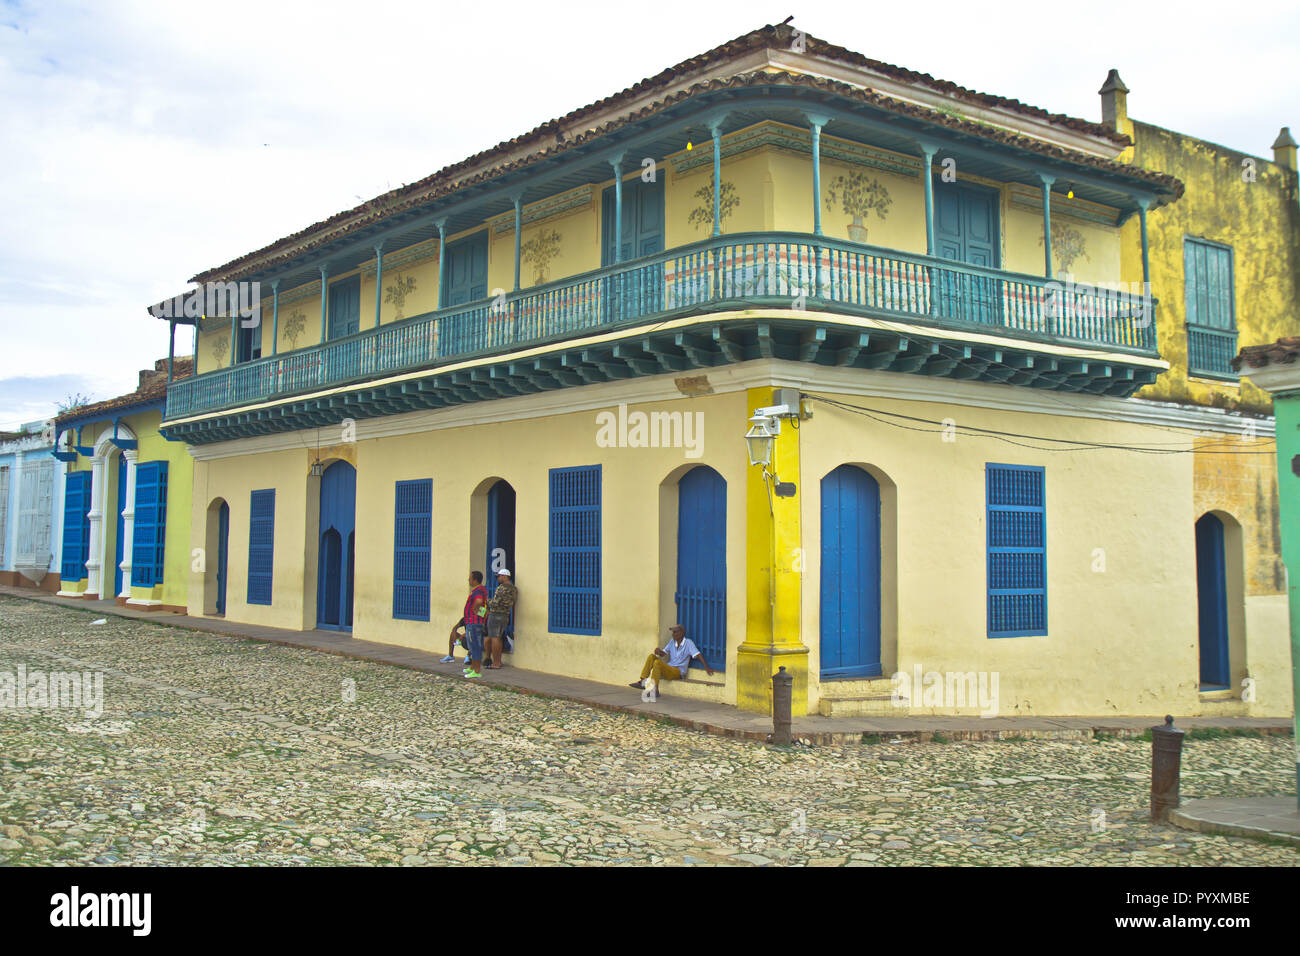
x: 397, y: 292
x: 702, y: 215
x: 1068, y: 245
x: 293, y: 327
x: 538, y: 253
x: 857, y: 195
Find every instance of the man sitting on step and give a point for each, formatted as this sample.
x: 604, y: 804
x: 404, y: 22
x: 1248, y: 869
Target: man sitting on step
x: 670, y: 663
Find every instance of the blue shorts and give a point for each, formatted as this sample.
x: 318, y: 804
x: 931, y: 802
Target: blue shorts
x: 474, y: 640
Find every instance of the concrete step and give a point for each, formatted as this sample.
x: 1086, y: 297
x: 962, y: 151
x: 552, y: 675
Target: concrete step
x: 862, y: 706
x: 866, y: 687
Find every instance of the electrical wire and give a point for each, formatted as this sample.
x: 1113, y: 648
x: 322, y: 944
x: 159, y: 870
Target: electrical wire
x: 1005, y: 436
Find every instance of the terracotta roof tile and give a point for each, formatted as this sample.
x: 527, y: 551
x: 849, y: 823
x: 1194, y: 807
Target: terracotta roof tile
x: 153, y: 387
x: 1284, y: 351
x: 445, y: 182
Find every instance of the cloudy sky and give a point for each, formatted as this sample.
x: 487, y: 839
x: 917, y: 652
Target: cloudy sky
x: 142, y: 142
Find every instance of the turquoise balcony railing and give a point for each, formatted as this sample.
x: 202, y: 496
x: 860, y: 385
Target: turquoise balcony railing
x: 1211, y: 351
x: 772, y: 270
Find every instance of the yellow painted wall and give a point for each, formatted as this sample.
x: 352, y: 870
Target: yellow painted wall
x: 151, y: 447
x: 232, y: 480
x: 1260, y: 220
x: 578, y: 249
x: 521, y: 452
x: 1120, y: 641
x: 1099, y: 261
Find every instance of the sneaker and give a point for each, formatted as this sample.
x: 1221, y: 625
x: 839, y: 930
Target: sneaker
x: 472, y: 674
x: 447, y: 660
x: 639, y: 685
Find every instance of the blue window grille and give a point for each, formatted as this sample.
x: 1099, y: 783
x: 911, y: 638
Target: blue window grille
x: 1211, y: 319
x: 261, y: 545
x: 1017, y: 552
x: 150, y: 531
x: 412, y: 543
x: 574, y: 598
x: 76, y: 526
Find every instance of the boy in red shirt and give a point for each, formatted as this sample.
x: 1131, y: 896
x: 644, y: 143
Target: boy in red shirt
x: 472, y: 621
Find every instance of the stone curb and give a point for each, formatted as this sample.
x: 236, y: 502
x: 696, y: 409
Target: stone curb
x: 1180, y: 819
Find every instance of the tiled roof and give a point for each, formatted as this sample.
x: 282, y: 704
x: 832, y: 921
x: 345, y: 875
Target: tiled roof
x: 548, y: 140
x: 1282, y: 352
x: 152, y: 388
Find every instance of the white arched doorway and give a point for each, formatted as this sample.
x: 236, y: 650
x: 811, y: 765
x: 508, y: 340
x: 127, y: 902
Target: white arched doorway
x: 111, y: 465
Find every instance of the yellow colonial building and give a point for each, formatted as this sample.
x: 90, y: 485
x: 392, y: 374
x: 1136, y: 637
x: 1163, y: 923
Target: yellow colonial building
x: 125, y: 520
x: 547, y: 357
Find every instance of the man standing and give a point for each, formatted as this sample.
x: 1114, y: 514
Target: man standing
x: 672, y: 662
x: 472, y: 621
x: 499, y: 607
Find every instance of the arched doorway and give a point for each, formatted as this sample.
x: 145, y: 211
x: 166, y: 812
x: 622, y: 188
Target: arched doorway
x: 701, y: 593
x: 501, y: 541
x: 216, y: 545
x: 120, y: 531
x: 850, y: 574
x: 500, y: 532
x: 1212, y: 603
x: 338, y: 503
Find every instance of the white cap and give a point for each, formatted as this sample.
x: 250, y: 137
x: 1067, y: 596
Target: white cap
x: 504, y: 571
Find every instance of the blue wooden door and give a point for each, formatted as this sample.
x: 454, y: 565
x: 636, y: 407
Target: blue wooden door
x: 345, y: 307
x: 638, y: 291
x: 1212, y: 603
x: 850, y: 584
x: 702, y: 562
x: 338, y: 502
x: 119, y: 542
x: 966, y: 231
x: 223, y: 553
x: 501, y: 540
x: 466, y: 265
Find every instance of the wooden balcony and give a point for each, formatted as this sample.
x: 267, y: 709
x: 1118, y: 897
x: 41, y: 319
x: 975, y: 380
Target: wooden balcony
x: 803, y: 275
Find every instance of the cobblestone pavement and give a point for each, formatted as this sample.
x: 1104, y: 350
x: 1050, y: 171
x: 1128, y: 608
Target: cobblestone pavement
x: 212, y: 750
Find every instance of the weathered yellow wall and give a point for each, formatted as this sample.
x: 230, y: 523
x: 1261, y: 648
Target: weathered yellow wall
x: 1122, y: 640
x: 576, y: 251
x: 233, y: 480
x: 521, y: 452
x: 1098, y: 260
x: 1260, y: 220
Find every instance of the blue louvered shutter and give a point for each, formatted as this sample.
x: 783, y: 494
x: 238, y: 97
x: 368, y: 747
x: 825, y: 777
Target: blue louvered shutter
x: 76, y: 526
x: 1211, y: 318
x: 261, y: 545
x: 412, y: 540
x: 149, y: 534
x: 1017, y: 551
x: 575, y: 550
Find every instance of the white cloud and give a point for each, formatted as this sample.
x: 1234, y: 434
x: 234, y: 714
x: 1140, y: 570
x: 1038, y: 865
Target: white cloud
x: 142, y: 143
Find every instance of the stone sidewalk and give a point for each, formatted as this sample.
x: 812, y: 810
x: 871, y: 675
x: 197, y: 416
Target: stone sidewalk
x: 1267, y: 818
x: 703, y: 716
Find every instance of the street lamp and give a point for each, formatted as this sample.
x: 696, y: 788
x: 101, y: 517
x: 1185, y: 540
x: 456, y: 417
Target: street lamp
x: 760, y: 438
x: 764, y: 428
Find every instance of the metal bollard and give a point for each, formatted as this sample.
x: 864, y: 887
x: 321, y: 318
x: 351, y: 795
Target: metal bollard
x: 1166, y: 761
x: 782, y: 692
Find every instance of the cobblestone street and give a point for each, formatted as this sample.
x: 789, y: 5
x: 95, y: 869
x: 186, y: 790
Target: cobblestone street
x: 212, y: 750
